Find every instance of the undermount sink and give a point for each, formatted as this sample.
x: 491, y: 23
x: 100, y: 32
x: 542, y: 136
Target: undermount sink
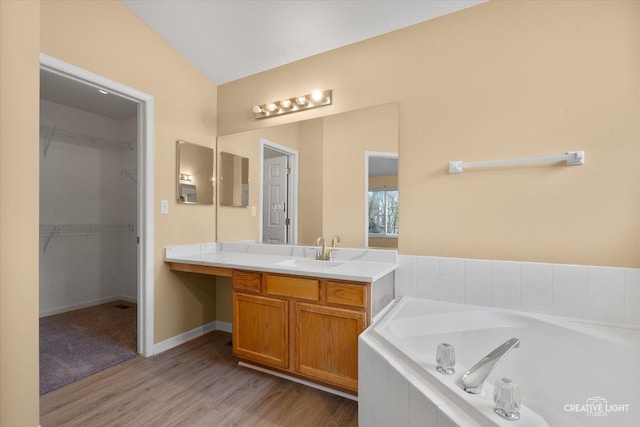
x: 309, y: 263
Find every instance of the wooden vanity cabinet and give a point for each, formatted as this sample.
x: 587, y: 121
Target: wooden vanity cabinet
x: 307, y: 327
x: 261, y: 329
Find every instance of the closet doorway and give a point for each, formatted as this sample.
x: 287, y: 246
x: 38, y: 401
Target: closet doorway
x: 96, y: 219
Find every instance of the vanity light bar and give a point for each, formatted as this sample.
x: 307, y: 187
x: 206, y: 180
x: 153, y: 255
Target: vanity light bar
x: 317, y: 98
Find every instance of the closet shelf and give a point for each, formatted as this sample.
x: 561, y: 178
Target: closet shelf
x: 49, y: 132
x: 49, y: 231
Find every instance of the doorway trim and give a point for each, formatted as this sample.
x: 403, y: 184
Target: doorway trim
x: 293, y: 193
x: 367, y: 155
x: 145, y: 186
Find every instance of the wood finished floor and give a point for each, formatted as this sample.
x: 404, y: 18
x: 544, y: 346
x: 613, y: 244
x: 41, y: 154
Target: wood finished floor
x: 195, y: 384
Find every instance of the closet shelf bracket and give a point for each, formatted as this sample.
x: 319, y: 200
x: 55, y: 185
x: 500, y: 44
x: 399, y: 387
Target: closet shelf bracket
x: 54, y: 231
x: 128, y: 172
x: 46, y: 146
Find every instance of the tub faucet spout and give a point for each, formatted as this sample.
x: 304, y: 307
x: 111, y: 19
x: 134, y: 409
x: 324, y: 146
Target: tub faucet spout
x: 474, y: 378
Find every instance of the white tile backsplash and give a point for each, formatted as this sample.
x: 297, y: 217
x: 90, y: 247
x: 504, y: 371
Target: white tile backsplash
x: 536, y: 300
x: 405, y: 286
x: 477, y: 271
x: 452, y: 290
x: 406, y: 266
x: 570, y: 305
x: 605, y: 281
x: 427, y: 288
x: 505, y: 273
x: 605, y: 307
x: 571, y: 279
x: 477, y: 294
x: 505, y: 297
x: 632, y: 282
x: 609, y: 294
x: 451, y: 269
x: 536, y: 275
x: 632, y: 310
x: 427, y: 268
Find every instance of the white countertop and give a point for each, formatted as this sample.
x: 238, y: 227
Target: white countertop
x: 362, y: 265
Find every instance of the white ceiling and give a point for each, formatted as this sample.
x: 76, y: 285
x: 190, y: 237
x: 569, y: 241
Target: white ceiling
x: 231, y: 39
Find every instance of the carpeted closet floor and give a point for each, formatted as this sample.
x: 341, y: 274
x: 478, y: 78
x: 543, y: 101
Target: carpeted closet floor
x: 79, y: 343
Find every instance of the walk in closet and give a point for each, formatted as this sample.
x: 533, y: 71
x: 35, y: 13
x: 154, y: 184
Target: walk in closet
x: 87, y: 208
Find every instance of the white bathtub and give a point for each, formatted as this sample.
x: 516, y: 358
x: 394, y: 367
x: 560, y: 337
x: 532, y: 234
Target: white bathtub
x: 571, y: 373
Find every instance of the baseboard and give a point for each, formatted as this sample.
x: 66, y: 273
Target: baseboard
x: 85, y: 304
x: 184, y: 337
x: 223, y: 326
x: 132, y: 300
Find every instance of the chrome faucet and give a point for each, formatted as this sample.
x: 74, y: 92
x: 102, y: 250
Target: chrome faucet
x: 474, y: 378
x: 324, y: 253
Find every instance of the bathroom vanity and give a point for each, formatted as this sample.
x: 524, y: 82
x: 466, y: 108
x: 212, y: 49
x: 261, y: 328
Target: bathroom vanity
x: 293, y: 314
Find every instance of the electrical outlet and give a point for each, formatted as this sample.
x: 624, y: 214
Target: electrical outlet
x: 253, y: 211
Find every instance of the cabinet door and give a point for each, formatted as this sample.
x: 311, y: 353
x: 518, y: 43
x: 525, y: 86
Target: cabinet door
x: 326, y: 343
x: 261, y: 329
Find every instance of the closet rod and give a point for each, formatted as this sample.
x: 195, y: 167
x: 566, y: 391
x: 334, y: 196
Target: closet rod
x: 74, y: 137
x: 53, y: 230
x: 571, y: 157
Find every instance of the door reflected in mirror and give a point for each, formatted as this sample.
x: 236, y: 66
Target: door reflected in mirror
x: 195, y: 173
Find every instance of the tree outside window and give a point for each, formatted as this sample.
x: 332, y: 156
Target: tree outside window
x: 383, y: 212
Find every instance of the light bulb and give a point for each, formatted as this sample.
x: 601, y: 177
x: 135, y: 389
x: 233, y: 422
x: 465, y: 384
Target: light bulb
x: 302, y: 100
x: 257, y: 109
x: 272, y: 107
x: 316, y: 95
x: 285, y: 103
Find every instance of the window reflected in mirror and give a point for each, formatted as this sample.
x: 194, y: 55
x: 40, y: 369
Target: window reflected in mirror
x: 383, y: 200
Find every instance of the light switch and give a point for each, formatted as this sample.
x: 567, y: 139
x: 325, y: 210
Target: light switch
x: 164, y: 206
x: 253, y: 211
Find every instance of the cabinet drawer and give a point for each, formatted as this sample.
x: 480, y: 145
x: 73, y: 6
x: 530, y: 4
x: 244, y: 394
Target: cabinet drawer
x: 295, y: 287
x: 342, y: 293
x: 247, y: 281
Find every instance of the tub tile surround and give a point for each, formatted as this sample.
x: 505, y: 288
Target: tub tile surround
x: 605, y: 294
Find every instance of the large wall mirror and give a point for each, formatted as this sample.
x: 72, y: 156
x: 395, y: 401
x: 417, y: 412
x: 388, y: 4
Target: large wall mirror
x: 195, y: 177
x: 312, y: 178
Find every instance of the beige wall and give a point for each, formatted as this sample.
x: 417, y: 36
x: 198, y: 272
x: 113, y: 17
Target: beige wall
x: 310, y: 179
x: 347, y: 137
x: 499, y: 80
x: 19, y: 219
x: 108, y: 39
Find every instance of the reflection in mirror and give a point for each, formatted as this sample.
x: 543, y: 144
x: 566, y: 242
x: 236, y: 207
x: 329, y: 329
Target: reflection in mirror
x: 195, y: 173
x: 331, y: 175
x: 234, y: 180
x: 382, y: 200
x: 279, y: 198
